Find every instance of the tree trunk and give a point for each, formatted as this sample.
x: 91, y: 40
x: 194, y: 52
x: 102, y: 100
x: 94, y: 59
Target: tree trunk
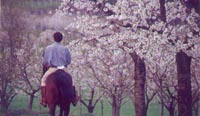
x: 162, y: 10
x: 161, y: 98
x: 115, y: 111
x: 6, y: 96
x: 31, y: 102
x: 4, y: 105
x: 196, y: 108
x: 162, y: 107
x: 139, y: 87
x: 102, y: 108
x: 90, y: 105
x: 171, y: 107
x: 184, y: 84
x: 90, y: 109
x: 115, y: 107
x: 171, y: 111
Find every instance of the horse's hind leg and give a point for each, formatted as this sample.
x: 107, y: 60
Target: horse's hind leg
x: 52, y: 109
x: 67, y: 109
x: 61, y: 111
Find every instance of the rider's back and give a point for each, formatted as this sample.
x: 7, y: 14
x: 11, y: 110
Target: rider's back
x: 57, y: 55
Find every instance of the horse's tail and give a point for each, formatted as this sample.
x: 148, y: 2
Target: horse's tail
x: 65, y: 95
x: 64, y: 84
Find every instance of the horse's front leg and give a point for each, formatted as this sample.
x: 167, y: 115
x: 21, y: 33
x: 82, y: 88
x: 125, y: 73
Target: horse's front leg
x: 61, y: 111
x: 52, y: 109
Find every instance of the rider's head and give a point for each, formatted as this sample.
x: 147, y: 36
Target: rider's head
x: 58, y: 36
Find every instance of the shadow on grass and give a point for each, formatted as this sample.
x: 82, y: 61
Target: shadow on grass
x: 23, y: 112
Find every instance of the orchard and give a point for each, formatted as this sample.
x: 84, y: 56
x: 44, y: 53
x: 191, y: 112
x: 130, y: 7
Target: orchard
x: 146, y: 51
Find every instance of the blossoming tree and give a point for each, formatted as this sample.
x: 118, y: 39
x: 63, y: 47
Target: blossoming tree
x: 143, y: 29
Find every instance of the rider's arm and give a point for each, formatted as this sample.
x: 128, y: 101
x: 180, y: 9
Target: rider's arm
x: 45, y: 68
x: 45, y: 62
x: 68, y: 56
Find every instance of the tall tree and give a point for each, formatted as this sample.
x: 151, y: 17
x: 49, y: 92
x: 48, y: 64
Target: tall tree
x: 184, y: 84
x: 11, y: 31
x: 90, y: 103
x: 29, y: 62
x: 109, y: 68
x: 195, y: 87
x: 137, y: 26
x: 139, y: 86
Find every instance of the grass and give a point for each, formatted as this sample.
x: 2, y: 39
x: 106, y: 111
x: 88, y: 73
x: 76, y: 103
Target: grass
x: 21, y: 103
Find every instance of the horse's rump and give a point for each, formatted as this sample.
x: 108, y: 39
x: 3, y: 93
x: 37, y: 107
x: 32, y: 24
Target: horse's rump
x: 59, y: 88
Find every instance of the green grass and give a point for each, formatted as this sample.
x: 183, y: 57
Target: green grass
x: 21, y: 102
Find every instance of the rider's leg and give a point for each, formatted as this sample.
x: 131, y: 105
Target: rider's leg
x: 43, y: 101
x: 43, y: 93
x: 76, y: 98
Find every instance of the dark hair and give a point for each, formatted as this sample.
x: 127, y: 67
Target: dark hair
x: 58, y: 36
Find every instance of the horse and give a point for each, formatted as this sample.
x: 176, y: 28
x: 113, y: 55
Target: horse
x: 59, y: 91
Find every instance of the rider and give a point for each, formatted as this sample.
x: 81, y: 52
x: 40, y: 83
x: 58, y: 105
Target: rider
x: 56, y: 56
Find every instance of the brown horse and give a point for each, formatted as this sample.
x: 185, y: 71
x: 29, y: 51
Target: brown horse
x: 59, y: 91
